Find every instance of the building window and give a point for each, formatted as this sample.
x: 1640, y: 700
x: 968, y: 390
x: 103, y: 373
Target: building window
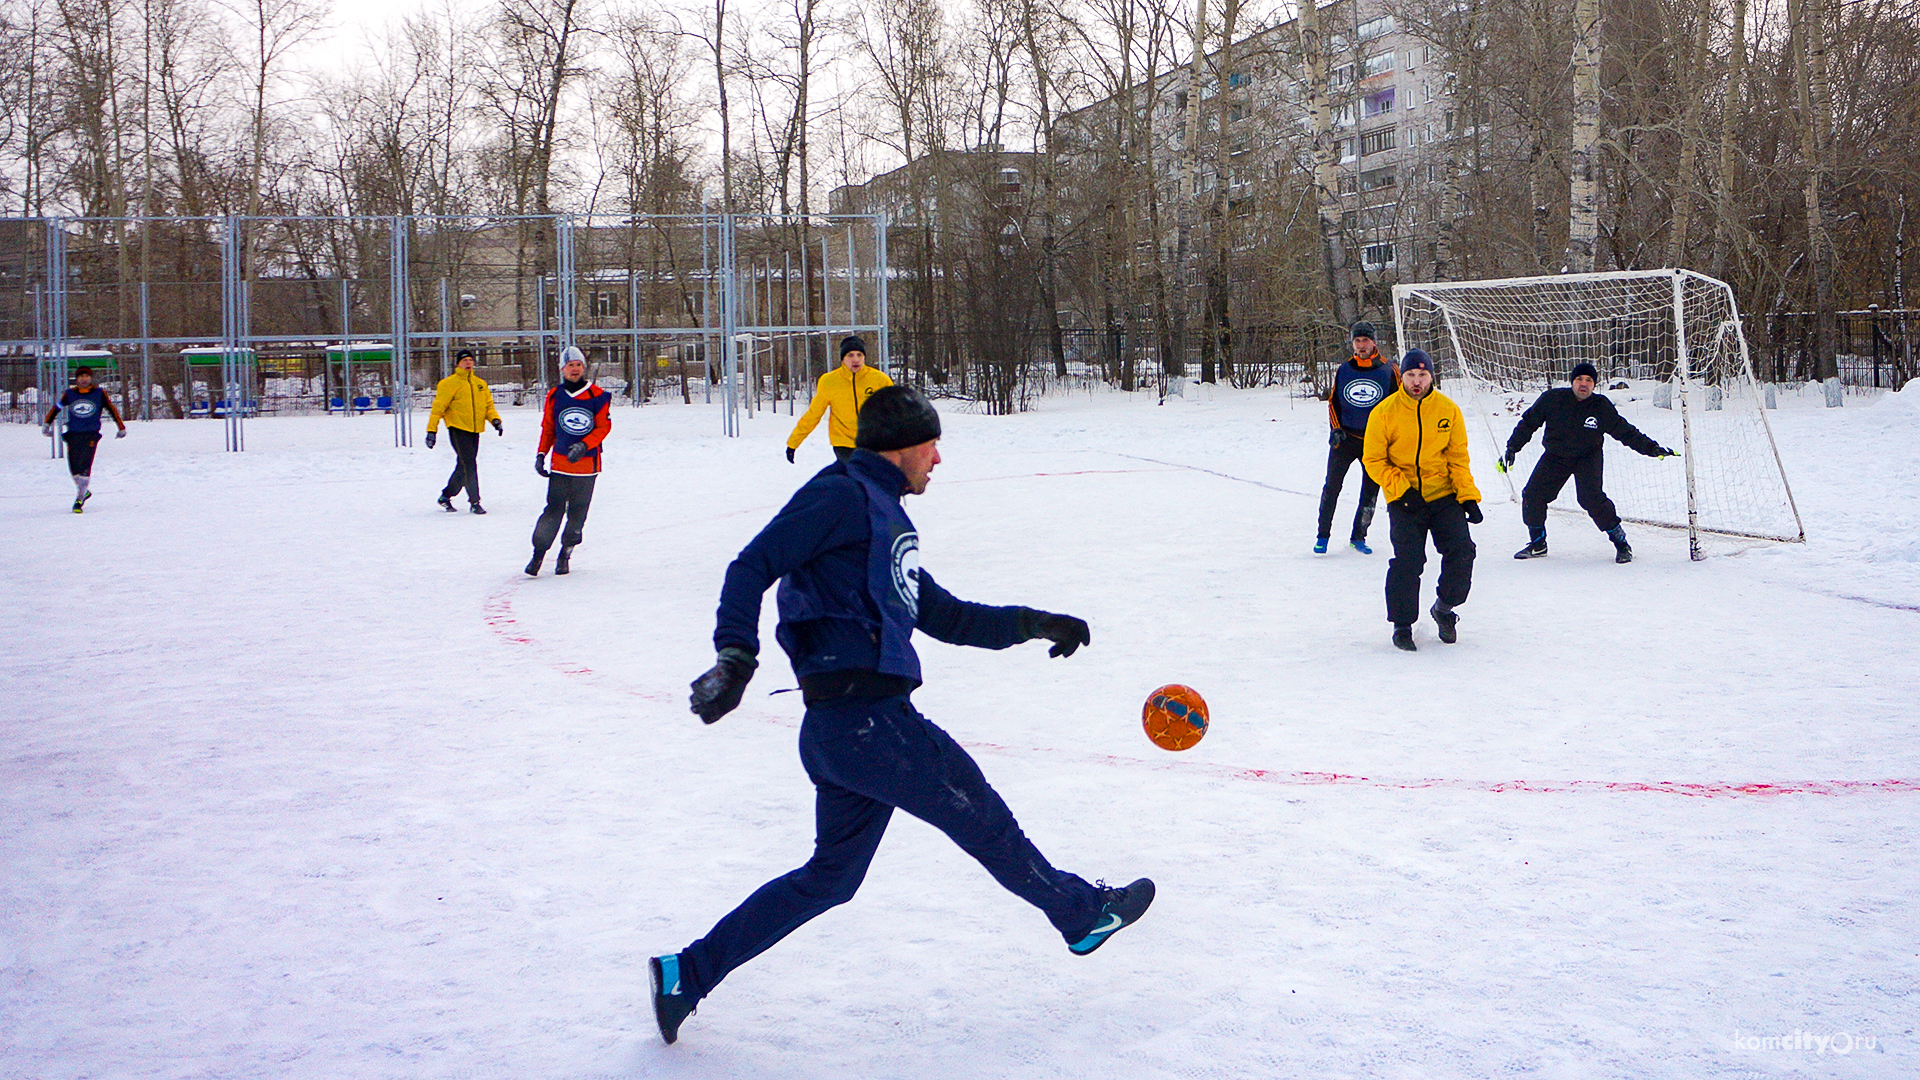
x: 1377, y: 256
x: 1340, y: 76
x: 1377, y: 64
x: 1349, y: 149
x: 1237, y: 79
x: 1379, y: 217
x: 1375, y: 179
x: 1378, y: 104
x: 1349, y: 185
x: 1010, y: 181
x: 1375, y: 142
x: 1376, y: 28
x: 1343, y: 115
x: 1236, y: 113
x: 603, y: 305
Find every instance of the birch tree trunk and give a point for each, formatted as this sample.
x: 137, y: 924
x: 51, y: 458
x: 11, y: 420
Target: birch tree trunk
x: 1583, y: 202
x: 1816, y: 145
x: 1326, y: 154
x: 1729, y: 111
x: 1686, y: 185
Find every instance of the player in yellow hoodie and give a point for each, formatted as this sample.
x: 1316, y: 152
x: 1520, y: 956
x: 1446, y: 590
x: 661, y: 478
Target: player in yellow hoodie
x: 842, y: 390
x: 1416, y: 450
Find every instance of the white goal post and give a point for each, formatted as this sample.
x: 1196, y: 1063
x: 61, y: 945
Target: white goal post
x: 1672, y: 337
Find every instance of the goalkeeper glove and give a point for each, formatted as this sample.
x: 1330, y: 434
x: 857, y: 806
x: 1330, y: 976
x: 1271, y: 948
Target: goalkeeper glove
x: 540, y: 463
x: 717, y: 692
x: 1505, y: 462
x: 1066, y: 632
x: 1664, y: 452
x: 1474, y: 516
x: 576, y: 451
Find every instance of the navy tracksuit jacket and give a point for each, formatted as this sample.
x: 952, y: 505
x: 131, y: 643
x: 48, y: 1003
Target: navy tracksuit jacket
x: 851, y: 594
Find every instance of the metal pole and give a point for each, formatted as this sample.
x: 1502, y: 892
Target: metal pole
x: 446, y: 329
x: 1685, y: 372
x: 146, y: 355
x: 633, y: 325
x: 56, y: 326
x: 399, y: 301
x: 786, y: 298
x: 729, y: 327
x: 346, y: 347
x: 1873, y: 332
x: 853, y: 290
x: 229, y: 331
x: 880, y: 314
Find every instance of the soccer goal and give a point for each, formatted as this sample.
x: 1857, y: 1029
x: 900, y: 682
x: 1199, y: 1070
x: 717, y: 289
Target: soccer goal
x: 1673, y: 338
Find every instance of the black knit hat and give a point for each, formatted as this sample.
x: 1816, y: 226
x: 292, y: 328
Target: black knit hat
x: 895, y: 418
x: 852, y: 344
x: 1363, y: 329
x: 1416, y: 360
x: 1584, y: 368
x: 464, y: 354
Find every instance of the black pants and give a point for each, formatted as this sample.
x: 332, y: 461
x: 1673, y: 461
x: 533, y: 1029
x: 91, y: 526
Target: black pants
x: 1550, y: 475
x: 80, y: 448
x: 1340, y: 458
x: 568, y: 496
x: 867, y: 757
x: 1446, y: 521
x: 842, y: 453
x: 466, y: 464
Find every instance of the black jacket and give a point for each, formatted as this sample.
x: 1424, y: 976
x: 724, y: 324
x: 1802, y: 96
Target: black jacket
x: 1576, y: 428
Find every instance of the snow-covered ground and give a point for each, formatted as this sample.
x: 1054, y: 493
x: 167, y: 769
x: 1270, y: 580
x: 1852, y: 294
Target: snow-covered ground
x: 300, y: 777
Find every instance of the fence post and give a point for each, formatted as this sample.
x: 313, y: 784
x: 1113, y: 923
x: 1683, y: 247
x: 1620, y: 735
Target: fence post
x: 1873, y: 333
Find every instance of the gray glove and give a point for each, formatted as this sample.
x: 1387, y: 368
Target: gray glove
x: 121, y: 434
x: 47, y: 430
x: 577, y: 451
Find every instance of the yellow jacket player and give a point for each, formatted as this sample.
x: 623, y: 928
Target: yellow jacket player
x: 1416, y: 450
x: 838, y: 397
x: 464, y: 401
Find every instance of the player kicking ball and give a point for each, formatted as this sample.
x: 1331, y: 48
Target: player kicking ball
x: 851, y: 595
x: 1577, y: 420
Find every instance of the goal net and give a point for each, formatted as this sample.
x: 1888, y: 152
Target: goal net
x: 1671, y: 356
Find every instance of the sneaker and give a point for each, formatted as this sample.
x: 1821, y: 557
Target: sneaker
x: 1119, y: 908
x: 446, y: 504
x: 1403, y: 638
x: 670, y: 1006
x: 1361, y: 547
x: 1447, y: 619
x: 477, y: 508
x: 1622, y: 551
x: 80, y: 501
x: 560, y: 565
x: 1320, y: 546
x: 1535, y: 549
x: 533, y: 564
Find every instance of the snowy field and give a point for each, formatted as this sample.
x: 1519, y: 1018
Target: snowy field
x: 301, y: 777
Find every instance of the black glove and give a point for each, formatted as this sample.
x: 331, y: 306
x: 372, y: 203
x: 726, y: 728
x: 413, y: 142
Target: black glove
x: 540, y: 463
x: 717, y: 693
x: 432, y: 437
x: 1474, y: 516
x: 1066, y: 632
x: 1662, y: 451
x: 497, y: 429
x: 789, y: 455
x: 1411, y: 499
x: 1505, y: 462
x: 577, y: 451
x: 1334, y: 438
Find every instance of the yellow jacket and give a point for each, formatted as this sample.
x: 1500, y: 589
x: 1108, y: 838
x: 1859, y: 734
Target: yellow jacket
x: 463, y: 401
x: 1421, y: 442
x: 842, y: 391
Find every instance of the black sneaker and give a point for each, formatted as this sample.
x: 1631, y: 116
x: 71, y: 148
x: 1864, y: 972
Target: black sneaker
x: 1447, y: 619
x: 533, y: 564
x: 79, y: 503
x: 1403, y: 638
x: 446, y: 503
x: 1535, y: 549
x: 561, y: 564
x: 1622, y: 551
x: 477, y: 508
x: 670, y: 1006
x: 1119, y: 908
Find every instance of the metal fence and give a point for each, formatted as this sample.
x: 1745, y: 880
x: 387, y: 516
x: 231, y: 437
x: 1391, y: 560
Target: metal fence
x: 231, y: 317
x: 1879, y: 349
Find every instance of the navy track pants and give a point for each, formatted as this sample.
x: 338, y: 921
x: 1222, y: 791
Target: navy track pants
x: 865, y: 757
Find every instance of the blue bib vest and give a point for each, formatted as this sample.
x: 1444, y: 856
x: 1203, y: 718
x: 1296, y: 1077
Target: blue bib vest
x: 574, y: 418
x: 1357, y: 390
x: 84, y: 410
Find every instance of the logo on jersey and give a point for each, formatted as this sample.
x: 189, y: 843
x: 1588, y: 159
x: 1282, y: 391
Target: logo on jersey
x: 1361, y: 393
x: 1592, y: 422
x: 1445, y: 424
x: 906, y: 570
x: 83, y: 409
x: 576, y: 421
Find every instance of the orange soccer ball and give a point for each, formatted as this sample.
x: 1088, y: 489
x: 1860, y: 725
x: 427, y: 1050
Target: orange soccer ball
x: 1175, y: 717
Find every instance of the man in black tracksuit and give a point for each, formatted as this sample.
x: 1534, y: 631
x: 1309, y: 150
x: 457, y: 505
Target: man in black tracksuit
x: 1363, y: 381
x: 1577, y: 421
x: 852, y: 592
